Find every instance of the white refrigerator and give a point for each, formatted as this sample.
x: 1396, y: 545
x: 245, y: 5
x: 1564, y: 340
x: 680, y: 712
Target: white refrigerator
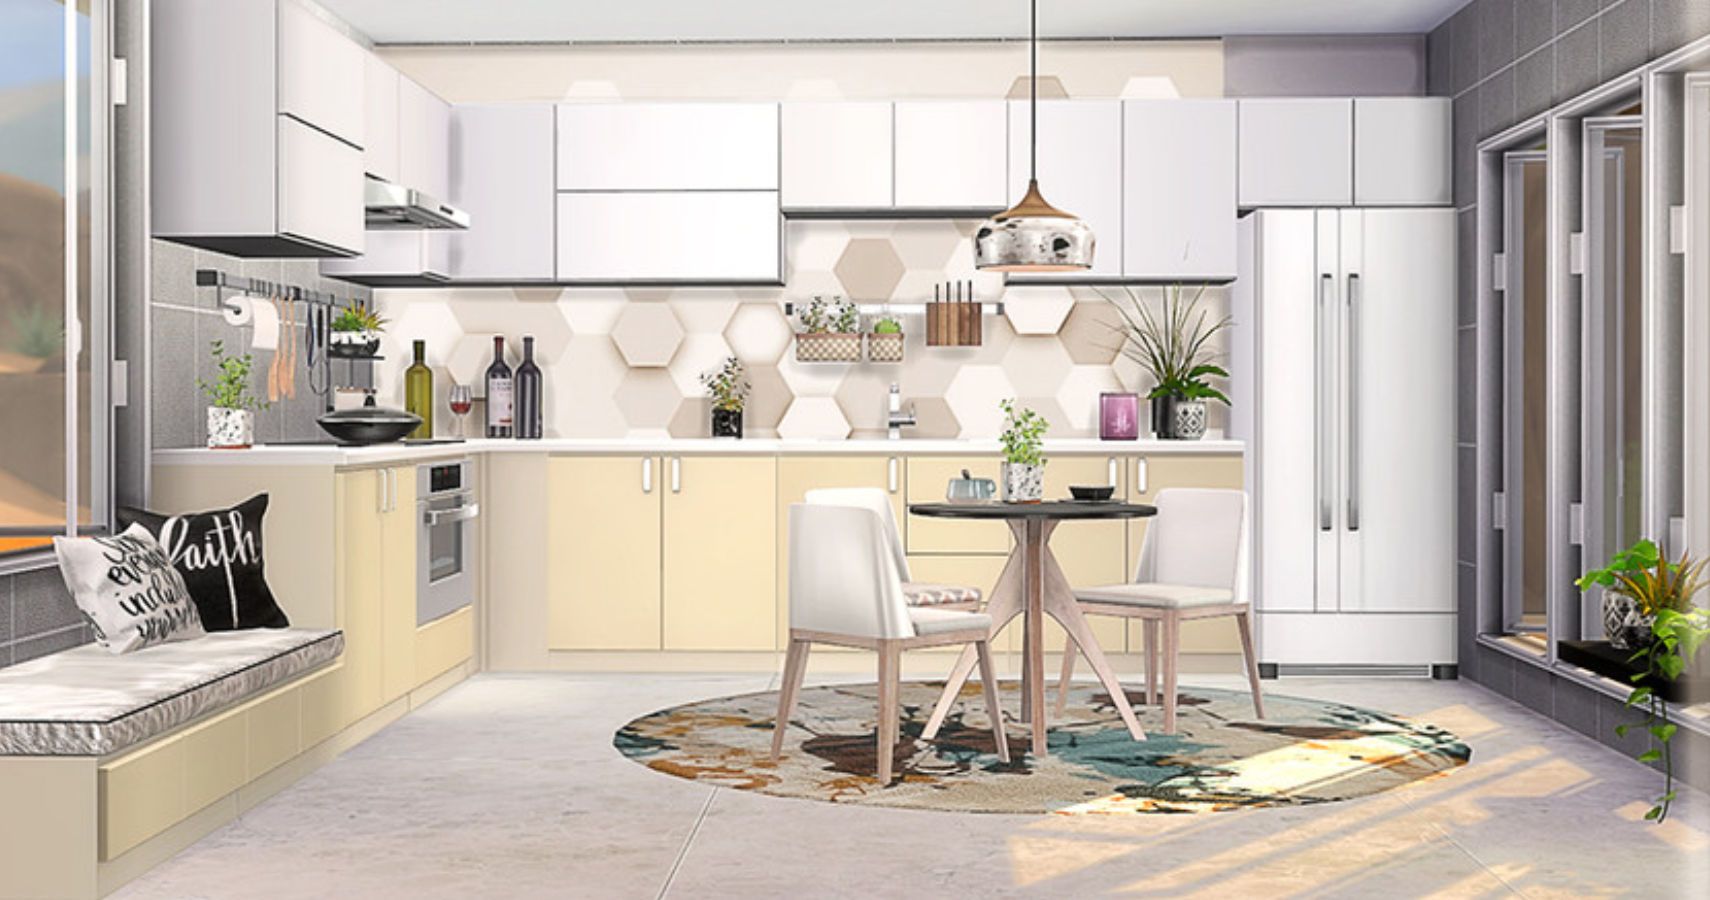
x: 1345, y: 349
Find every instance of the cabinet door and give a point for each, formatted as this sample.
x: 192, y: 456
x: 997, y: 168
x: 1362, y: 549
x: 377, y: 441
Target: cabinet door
x: 501, y: 174
x: 1178, y: 188
x: 360, y: 572
x: 392, y: 253
x: 380, y: 143
x: 1297, y: 153
x: 424, y: 140
x: 951, y: 154
x: 721, y: 553
x: 603, y: 571
x: 836, y: 155
x: 321, y: 74
x: 1080, y: 168
x: 142, y: 794
x: 928, y: 480
x: 698, y: 236
x: 667, y: 146
x: 798, y: 475
x: 1147, y: 476
x: 398, y: 588
x: 1402, y: 152
x: 1091, y: 553
x: 320, y: 188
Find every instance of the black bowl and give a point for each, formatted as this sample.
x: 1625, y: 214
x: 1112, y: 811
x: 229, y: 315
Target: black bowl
x: 1092, y: 492
x: 369, y: 425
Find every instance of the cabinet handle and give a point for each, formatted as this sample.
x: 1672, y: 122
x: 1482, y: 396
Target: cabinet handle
x: 647, y: 475
x: 676, y: 474
x: 380, y: 491
x: 1141, y: 483
x: 1326, y: 399
x: 892, y: 474
x: 1111, y: 477
x: 1353, y: 401
x: 391, y: 490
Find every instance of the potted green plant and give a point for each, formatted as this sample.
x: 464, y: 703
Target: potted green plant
x: 728, y: 387
x: 885, y: 340
x: 1023, y: 454
x: 1173, y: 345
x: 356, y: 332
x: 1665, y: 629
x: 231, y: 407
x: 830, y: 331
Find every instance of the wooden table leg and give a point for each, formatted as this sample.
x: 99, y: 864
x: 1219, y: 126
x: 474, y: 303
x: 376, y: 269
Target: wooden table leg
x: 1003, y: 605
x: 1059, y: 601
x: 1033, y: 654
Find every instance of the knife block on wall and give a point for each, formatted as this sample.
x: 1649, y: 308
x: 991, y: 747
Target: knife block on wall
x: 953, y: 324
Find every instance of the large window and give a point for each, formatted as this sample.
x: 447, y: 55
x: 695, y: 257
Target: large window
x: 1526, y: 392
x: 54, y: 299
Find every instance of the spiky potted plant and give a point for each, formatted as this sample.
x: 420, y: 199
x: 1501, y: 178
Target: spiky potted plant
x: 1173, y: 345
x: 231, y: 407
x: 356, y: 332
x: 728, y: 388
x: 1023, y: 454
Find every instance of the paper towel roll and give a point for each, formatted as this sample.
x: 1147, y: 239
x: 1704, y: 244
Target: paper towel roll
x: 264, y: 320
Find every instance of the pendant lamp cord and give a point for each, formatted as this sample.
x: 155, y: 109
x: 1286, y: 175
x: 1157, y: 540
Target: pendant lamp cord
x: 1033, y: 98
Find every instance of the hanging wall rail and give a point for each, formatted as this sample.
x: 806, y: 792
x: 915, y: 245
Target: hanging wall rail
x: 223, y: 282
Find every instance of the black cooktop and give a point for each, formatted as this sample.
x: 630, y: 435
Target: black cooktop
x: 329, y: 442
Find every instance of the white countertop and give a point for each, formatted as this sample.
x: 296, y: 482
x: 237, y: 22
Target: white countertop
x: 385, y: 454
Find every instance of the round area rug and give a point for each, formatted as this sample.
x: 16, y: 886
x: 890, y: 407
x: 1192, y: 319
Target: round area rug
x: 1221, y: 758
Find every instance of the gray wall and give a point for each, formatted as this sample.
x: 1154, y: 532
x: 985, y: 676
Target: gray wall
x: 1328, y: 66
x: 1504, y: 61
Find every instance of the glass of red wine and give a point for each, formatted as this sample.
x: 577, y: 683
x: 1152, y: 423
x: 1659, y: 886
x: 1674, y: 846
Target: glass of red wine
x: 461, y: 402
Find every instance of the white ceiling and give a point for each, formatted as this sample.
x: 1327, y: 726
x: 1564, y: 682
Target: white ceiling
x: 487, y: 21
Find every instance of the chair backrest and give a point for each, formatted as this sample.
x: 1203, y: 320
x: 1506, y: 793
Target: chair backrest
x: 877, y: 501
x: 1199, y: 537
x: 843, y: 575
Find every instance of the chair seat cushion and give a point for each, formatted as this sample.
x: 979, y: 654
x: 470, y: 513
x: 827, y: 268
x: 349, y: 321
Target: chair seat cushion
x: 939, y: 621
x: 88, y: 702
x: 1162, y: 596
x: 920, y: 593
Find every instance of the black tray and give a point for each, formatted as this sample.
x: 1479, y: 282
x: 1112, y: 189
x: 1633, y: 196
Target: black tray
x: 1602, y: 657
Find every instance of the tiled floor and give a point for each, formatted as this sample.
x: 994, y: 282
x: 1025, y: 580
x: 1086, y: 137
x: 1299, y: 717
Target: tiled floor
x: 508, y: 786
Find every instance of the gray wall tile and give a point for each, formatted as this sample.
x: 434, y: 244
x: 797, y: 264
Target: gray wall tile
x: 176, y: 399
x: 41, y: 603
x: 1611, y: 713
x: 1466, y: 488
x: 1577, y: 61
x: 1466, y: 606
x: 6, y: 606
x: 1465, y: 114
x: 1495, y: 22
x: 1534, y: 24
x: 1466, y: 394
x: 52, y: 642
x: 1576, y: 707
x: 1570, y: 13
x: 1496, y: 103
x: 1496, y: 671
x: 1466, y: 274
x: 1624, y: 37
x: 1533, y: 688
x: 1440, y: 61
x: 1534, y: 83
x: 1464, y: 52
x: 1676, y: 22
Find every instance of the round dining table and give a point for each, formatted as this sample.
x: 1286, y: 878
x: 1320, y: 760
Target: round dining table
x: 1033, y: 586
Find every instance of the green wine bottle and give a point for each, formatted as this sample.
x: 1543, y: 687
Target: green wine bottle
x: 418, y: 392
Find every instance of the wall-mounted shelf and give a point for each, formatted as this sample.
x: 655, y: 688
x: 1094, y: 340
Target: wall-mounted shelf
x: 260, y: 287
x: 990, y: 308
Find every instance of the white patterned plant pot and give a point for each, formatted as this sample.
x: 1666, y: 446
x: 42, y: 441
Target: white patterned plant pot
x: 1022, y: 483
x: 230, y: 428
x: 1190, y: 419
x: 885, y: 348
x: 828, y: 347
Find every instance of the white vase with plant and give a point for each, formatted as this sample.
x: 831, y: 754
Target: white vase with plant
x: 231, y: 407
x: 1023, y: 454
x: 1173, y: 345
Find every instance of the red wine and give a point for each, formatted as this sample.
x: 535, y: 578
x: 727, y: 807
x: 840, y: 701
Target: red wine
x: 462, y: 407
x: 501, y: 394
x: 528, y: 390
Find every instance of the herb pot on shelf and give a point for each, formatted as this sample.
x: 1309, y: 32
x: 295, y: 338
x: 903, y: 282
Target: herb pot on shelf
x: 1188, y: 420
x: 1163, y: 411
x: 353, y: 344
x: 828, y: 347
x: 726, y: 423
x: 885, y: 347
x: 230, y: 429
x: 1023, y: 483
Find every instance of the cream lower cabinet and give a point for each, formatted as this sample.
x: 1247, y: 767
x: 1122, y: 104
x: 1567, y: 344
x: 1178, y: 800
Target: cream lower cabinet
x: 1147, y: 475
x: 928, y: 479
x: 798, y: 475
x: 720, y: 553
x: 604, y: 553
x: 375, y: 566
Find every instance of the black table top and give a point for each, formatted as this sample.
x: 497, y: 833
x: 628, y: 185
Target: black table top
x: 1050, y: 509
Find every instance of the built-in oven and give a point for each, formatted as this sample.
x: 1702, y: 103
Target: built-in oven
x: 445, y: 538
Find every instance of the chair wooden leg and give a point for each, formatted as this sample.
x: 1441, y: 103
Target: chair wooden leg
x: 1244, y: 622
x: 795, y: 665
x: 1150, y: 629
x: 988, y: 681
x: 1172, y: 661
x: 890, y: 710
x: 1069, y: 654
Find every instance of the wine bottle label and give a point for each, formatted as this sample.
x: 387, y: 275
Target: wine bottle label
x: 501, y: 402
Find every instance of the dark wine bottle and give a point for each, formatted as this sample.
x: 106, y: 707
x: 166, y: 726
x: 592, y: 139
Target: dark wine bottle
x: 501, y: 394
x: 529, y: 423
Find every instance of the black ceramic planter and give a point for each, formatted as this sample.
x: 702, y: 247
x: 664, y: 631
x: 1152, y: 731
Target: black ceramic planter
x: 1163, y: 410
x: 727, y: 423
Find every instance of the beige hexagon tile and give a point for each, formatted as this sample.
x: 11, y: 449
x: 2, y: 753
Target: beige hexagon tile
x: 1052, y: 413
x: 693, y: 419
x: 541, y: 316
x: 647, y: 334
x: 812, y: 379
x: 1078, y: 396
x: 974, y: 395
x: 768, y: 398
x: 926, y: 371
x: 580, y: 391
x: 810, y: 418
x: 425, y: 318
x: 538, y: 294
x: 869, y: 269
x: 592, y: 310
x: 926, y: 243
x: 758, y: 333
x: 1050, y: 88
x: 1037, y: 365
x: 1037, y: 310
x: 469, y: 358
x: 864, y: 396
x: 699, y: 353
x: 996, y: 334
x: 815, y: 245
x: 934, y: 420
x: 1091, y: 333
x: 648, y: 399
x: 704, y: 310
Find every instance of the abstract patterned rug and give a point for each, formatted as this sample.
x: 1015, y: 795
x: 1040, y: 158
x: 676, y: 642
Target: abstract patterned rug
x: 1221, y: 758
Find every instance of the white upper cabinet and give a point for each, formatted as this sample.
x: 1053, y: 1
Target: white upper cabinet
x: 1080, y: 168
x: 1297, y: 152
x: 321, y: 72
x: 670, y: 236
x: 667, y: 146
x: 317, y: 178
x: 502, y: 175
x: 424, y: 140
x: 1178, y: 192
x: 380, y: 150
x: 836, y: 155
x: 952, y: 154
x: 1402, y: 152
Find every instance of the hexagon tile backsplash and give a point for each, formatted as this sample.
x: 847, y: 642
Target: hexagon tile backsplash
x: 624, y: 363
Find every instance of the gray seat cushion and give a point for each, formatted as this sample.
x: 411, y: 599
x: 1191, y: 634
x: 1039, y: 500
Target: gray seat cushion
x: 938, y: 621
x: 88, y: 702
x: 1162, y: 596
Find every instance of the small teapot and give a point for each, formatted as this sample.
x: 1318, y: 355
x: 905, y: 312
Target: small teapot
x: 969, y: 489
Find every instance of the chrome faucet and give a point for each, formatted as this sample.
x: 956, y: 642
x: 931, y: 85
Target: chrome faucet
x: 897, y: 418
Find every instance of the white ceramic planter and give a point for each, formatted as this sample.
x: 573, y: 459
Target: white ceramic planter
x: 1190, y: 419
x: 230, y: 428
x: 1023, y: 484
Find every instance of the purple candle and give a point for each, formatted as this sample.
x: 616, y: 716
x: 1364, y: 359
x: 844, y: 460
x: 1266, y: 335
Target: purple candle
x: 1119, y: 417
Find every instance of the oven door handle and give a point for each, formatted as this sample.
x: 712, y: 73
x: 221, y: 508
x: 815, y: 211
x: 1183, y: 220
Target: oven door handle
x: 437, y: 517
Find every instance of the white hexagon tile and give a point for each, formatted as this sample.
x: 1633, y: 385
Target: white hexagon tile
x: 647, y: 334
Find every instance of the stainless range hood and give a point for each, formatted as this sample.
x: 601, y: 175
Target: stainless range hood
x: 389, y: 206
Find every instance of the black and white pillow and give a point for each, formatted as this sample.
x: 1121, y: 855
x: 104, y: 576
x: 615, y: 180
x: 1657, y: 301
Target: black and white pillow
x: 127, y: 589
x: 219, y: 554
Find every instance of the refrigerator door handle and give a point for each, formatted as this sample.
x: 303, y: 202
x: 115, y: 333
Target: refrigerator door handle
x: 1326, y: 399
x: 1353, y: 401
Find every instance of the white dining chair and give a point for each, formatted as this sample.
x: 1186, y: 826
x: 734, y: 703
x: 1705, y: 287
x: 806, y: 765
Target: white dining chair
x: 1193, y: 565
x: 917, y: 593
x: 845, y: 590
